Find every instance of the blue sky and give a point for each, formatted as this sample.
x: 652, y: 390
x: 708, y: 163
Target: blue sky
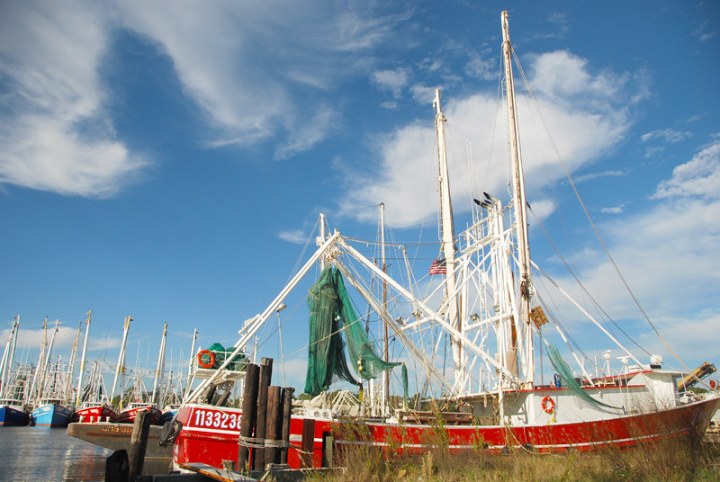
x: 168, y: 160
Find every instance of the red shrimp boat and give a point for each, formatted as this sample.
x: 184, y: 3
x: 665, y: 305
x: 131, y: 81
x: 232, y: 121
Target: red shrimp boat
x: 94, y: 414
x: 490, y: 315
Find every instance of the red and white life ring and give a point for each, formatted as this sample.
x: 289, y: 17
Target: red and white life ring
x: 206, y: 359
x: 548, y: 404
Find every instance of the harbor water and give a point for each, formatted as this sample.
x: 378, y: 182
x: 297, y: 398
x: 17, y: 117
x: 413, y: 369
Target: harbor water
x: 43, y: 454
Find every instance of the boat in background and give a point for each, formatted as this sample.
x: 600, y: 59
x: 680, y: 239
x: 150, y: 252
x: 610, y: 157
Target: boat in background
x: 128, y: 415
x: 51, y: 414
x: 94, y: 405
x: 54, y: 387
x: 140, y: 401
x: 13, y: 384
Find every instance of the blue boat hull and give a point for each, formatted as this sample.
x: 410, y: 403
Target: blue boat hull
x: 13, y: 417
x: 51, y: 415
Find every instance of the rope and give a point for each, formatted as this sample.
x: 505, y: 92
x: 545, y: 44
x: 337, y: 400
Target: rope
x: 261, y: 443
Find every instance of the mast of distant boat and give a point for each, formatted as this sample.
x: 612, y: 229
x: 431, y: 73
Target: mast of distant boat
x: 188, y: 382
x: 448, y: 236
x: 78, y: 399
x: 9, y: 359
x: 520, y: 210
x: 41, y: 359
x: 159, y: 369
x: 46, y: 366
x: 68, y: 395
x: 121, y: 357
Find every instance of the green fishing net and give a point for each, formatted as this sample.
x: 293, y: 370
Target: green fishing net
x: 331, y: 314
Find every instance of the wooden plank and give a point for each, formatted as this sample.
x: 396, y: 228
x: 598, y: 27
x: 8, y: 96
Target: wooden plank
x: 216, y: 474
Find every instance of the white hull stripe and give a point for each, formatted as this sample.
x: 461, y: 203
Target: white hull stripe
x: 467, y: 447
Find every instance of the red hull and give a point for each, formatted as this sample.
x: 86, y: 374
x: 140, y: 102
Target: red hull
x: 100, y: 413
x: 210, y: 434
x: 128, y: 416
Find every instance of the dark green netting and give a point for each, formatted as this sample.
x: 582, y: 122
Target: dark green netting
x: 331, y: 313
x: 221, y: 354
x: 566, y: 374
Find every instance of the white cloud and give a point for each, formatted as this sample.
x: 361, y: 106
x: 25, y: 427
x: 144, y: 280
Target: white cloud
x: 404, y: 178
x: 698, y: 177
x: 56, y: 135
x: 297, y: 236
x: 256, y: 73
x: 668, y: 256
x: 595, y: 175
x: 612, y: 210
x: 481, y: 68
x: 668, y: 135
x: 391, y: 80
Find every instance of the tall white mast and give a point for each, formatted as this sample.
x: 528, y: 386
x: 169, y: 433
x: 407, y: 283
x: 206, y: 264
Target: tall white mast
x: 46, y: 365
x: 67, y: 396
x: 448, y: 234
x: 41, y: 359
x: 519, y: 204
x: 386, y: 346
x: 9, y: 357
x: 121, y: 357
x: 191, y: 364
x: 159, y: 368
x: 82, y: 360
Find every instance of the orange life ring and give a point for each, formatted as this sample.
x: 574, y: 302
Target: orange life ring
x: 206, y: 355
x: 548, y: 404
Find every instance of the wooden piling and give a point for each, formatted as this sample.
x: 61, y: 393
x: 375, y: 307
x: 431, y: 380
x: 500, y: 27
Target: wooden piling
x: 273, y: 424
x: 138, y: 443
x: 328, y: 446
x: 287, y: 393
x: 266, y: 365
x: 308, y: 442
x: 249, y: 413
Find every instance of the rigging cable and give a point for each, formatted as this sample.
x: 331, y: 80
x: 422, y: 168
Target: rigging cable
x: 599, y: 237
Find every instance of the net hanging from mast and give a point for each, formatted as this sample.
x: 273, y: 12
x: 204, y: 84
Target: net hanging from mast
x: 331, y: 314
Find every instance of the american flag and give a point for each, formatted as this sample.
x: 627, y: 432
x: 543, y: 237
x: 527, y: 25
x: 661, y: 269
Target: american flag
x: 438, y: 267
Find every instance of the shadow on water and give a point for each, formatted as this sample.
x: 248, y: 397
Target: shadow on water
x: 40, y: 454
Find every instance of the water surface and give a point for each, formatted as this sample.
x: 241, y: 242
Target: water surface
x: 43, y: 454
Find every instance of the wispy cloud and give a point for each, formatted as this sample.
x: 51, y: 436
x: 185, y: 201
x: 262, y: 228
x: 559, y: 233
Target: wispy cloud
x: 612, y: 210
x: 57, y: 135
x: 256, y: 74
x: 704, y: 32
x: 698, y: 177
x: 595, y: 175
x: 391, y: 80
x: 668, y: 135
x: 297, y: 236
x: 665, y: 254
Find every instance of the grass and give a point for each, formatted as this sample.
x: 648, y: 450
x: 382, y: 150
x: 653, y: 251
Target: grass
x: 670, y: 460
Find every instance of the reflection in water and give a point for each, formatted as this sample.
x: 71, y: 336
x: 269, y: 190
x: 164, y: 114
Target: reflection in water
x: 39, y: 454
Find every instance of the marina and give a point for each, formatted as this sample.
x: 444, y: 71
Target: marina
x: 470, y: 347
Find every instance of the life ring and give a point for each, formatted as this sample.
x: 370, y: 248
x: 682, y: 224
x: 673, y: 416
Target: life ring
x: 204, y: 355
x: 713, y: 384
x: 548, y: 404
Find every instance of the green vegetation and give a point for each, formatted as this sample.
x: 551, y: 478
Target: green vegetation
x: 670, y: 460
